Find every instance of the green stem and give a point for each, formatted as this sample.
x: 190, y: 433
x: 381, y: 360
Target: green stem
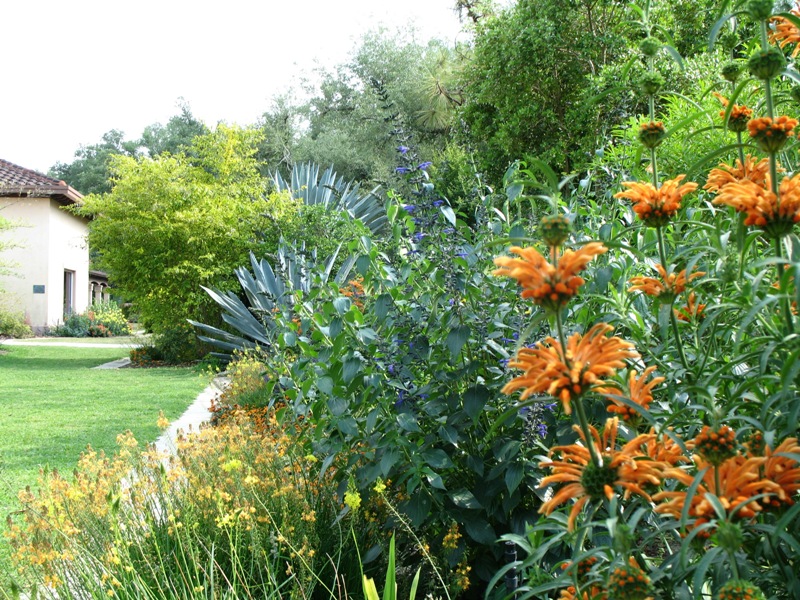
x: 740, y: 148
x: 662, y: 253
x: 787, y: 309
x: 583, y: 422
x: 764, y: 36
x: 654, y: 165
x: 734, y: 566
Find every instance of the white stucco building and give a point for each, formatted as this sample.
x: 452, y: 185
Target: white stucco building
x: 50, y: 260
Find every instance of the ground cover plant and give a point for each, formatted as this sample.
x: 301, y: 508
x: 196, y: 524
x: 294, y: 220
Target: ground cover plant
x: 55, y: 404
x: 101, y: 320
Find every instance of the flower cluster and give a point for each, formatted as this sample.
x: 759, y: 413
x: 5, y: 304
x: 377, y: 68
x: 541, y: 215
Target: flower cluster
x: 655, y: 207
x: 775, y: 214
x: 549, y: 285
x: 666, y: 288
x: 568, y: 373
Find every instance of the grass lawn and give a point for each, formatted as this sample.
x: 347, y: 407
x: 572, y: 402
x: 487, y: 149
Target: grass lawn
x: 54, y: 404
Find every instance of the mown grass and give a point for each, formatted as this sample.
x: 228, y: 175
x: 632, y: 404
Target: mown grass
x: 54, y: 404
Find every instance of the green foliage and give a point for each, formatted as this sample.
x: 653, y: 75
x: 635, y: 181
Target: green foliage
x: 91, y: 171
x: 353, y: 358
x: 110, y: 315
x: 174, y: 223
x: 333, y: 194
x: 526, y: 73
x: 343, y: 130
x: 101, y: 320
x: 13, y: 325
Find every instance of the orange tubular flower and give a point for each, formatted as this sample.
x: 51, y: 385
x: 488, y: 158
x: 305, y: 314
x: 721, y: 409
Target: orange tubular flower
x: 656, y: 206
x: 665, y: 450
x: 786, y: 33
x: 771, y: 135
x: 739, y: 115
x: 593, y: 593
x: 740, y: 481
x: 783, y: 471
x: 692, y: 310
x: 548, y: 369
x: 639, y: 392
x: 625, y: 468
x: 757, y: 172
x: 762, y: 206
x: 550, y: 286
x: 669, y: 286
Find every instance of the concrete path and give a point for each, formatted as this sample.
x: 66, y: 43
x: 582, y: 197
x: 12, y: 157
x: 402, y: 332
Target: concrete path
x: 193, y: 417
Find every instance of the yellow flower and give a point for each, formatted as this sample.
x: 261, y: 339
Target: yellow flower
x: 550, y: 286
x: 162, y: 422
x: 353, y: 500
x: 656, y: 206
x: 565, y: 375
x: 380, y: 487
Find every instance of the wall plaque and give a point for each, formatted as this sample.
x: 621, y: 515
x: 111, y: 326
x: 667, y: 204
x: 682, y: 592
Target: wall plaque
x: 38, y: 289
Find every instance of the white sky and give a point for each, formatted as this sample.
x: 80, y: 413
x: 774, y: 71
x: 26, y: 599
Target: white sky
x: 75, y: 70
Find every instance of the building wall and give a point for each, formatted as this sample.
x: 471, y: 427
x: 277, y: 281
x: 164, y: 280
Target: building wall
x: 50, y: 242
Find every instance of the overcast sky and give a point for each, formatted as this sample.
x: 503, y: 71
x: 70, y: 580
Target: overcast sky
x: 75, y: 70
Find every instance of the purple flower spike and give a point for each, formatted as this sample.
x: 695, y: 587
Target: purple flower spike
x: 424, y: 165
x: 409, y: 208
x: 402, y: 149
x: 402, y: 170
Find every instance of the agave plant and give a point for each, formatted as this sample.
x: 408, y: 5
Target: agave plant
x: 268, y: 291
x: 332, y: 192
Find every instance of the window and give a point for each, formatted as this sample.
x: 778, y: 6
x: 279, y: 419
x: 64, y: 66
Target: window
x: 69, y: 293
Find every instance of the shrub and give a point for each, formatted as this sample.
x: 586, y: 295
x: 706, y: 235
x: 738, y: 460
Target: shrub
x: 13, y: 325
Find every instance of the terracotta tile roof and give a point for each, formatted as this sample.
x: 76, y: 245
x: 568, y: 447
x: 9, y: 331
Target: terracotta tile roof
x: 19, y: 181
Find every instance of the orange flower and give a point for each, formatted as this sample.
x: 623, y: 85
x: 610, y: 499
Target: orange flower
x: 656, y: 206
x: 740, y: 481
x: 669, y: 286
x: 739, y: 115
x: 771, y: 135
x: 691, y: 311
x: 665, y: 450
x: 783, y: 471
x: 592, y: 593
x: 757, y: 172
x: 550, y: 286
x: 548, y: 369
x: 786, y: 33
x: 639, y: 392
x: 762, y: 206
x: 625, y: 468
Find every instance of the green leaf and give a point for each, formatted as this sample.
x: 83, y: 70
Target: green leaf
x: 514, y: 475
x: 408, y: 422
x: 449, y: 214
x: 348, y: 426
x: 474, y: 400
x: 480, y: 531
x: 457, y: 338
x: 351, y: 367
x: 325, y: 385
x: 388, y: 460
x: 382, y: 306
x: 289, y: 339
x: 437, y: 458
x: 336, y: 326
x: 465, y: 499
x: 337, y: 406
x: 341, y: 304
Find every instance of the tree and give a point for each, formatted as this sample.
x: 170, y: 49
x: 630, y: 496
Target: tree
x: 173, y: 223
x: 524, y: 80
x: 347, y: 126
x: 6, y: 267
x: 175, y: 136
x: 90, y: 172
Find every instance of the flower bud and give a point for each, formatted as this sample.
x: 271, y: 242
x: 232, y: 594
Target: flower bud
x: 652, y: 134
x: 767, y: 63
x: 729, y: 536
x: 650, y: 83
x: 649, y: 46
x: 759, y: 10
x: 739, y: 589
x: 554, y: 230
x: 731, y: 71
